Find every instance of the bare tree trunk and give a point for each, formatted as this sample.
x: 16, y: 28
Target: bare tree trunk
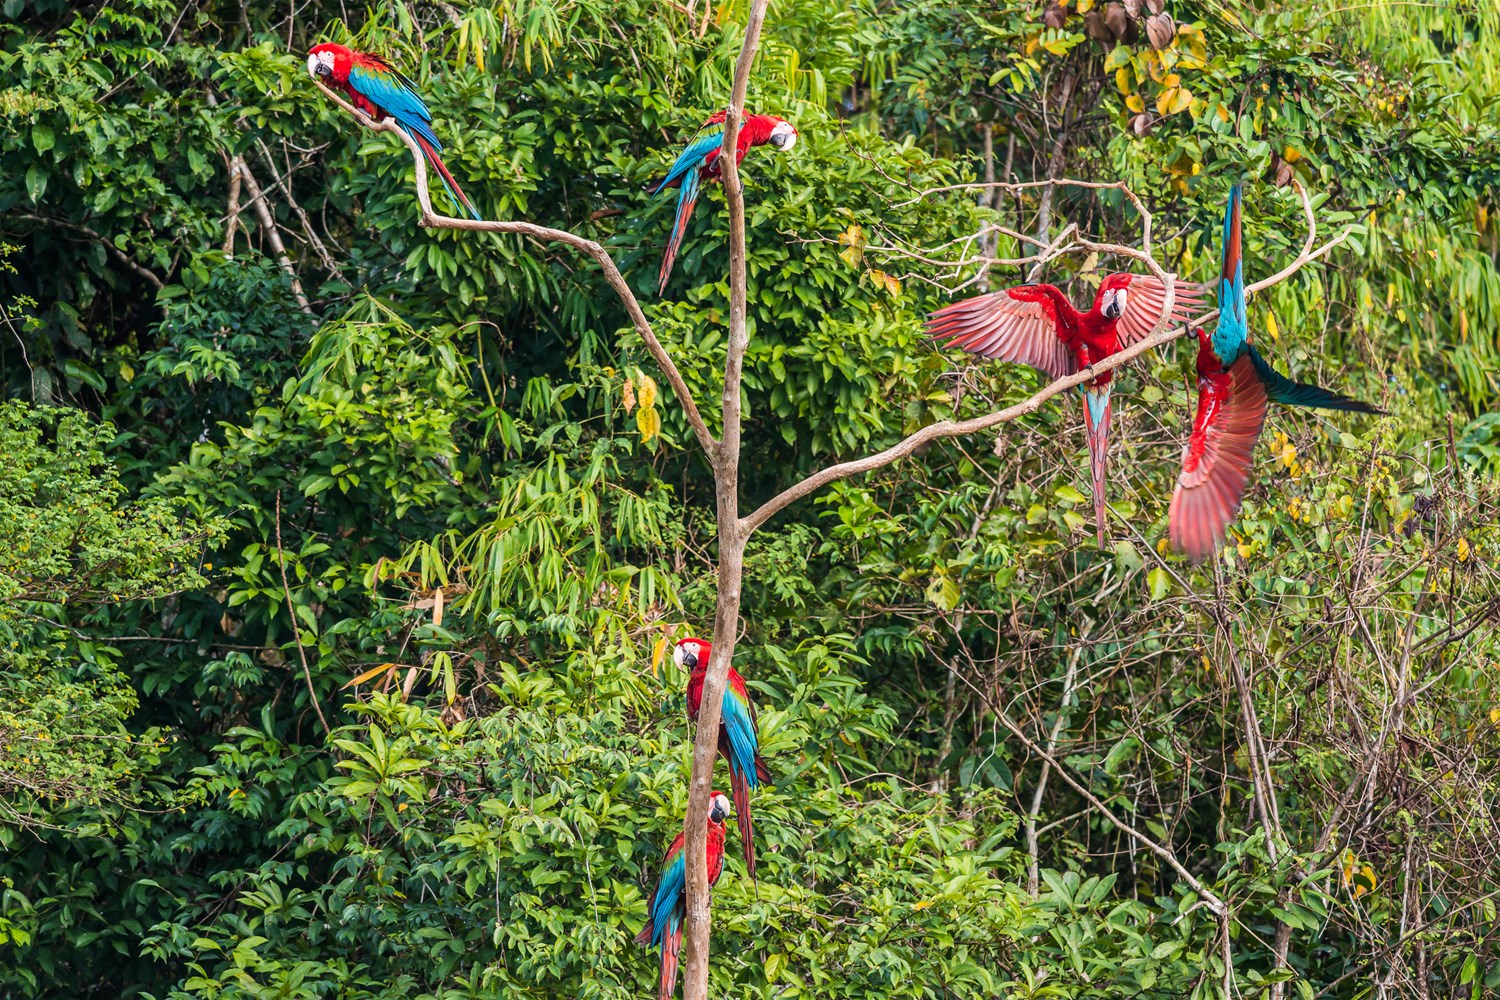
x: 732, y: 535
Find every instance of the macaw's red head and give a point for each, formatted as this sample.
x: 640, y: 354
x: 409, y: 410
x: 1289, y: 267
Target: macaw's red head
x: 762, y: 129
x: 692, y: 654
x: 330, y: 62
x: 1111, y: 298
x: 719, y: 808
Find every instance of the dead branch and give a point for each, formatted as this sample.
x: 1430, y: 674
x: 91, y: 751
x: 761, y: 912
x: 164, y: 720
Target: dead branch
x: 589, y: 248
x: 273, y: 235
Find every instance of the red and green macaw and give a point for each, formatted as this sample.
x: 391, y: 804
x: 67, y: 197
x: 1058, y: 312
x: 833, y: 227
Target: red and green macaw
x: 668, y: 906
x: 699, y: 162
x: 1234, y: 385
x: 739, y: 736
x: 382, y: 92
x: 1036, y: 325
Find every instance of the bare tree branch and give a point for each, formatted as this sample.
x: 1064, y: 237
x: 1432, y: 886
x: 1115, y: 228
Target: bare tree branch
x: 273, y: 235
x: 587, y: 247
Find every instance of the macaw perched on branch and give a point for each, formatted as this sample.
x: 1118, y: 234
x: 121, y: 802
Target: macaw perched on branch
x: 739, y: 736
x: 668, y: 906
x: 382, y: 92
x: 699, y: 162
x: 1036, y: 325
x: 1234, y: 385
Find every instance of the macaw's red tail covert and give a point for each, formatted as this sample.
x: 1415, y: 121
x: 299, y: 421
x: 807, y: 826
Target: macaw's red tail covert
x: 382, y: 92
x: 739, y: 736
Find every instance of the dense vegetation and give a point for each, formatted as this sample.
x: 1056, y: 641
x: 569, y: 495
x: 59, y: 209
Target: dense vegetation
x: 340, y: 560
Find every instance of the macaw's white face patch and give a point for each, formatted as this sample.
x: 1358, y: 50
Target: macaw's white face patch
x: 783, y: 135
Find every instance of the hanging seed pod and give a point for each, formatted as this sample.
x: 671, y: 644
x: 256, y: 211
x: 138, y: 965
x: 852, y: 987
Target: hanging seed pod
x: 1134, y: 7
x: 1054, y: 16
x: 1095, y: 27
x: 1140, y: 124
x: 1118, y: 22
x: 1156, y: 6
x: 1161, y: 29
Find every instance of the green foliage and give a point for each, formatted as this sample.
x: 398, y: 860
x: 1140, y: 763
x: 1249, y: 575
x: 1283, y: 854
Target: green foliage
x: 424, y: 508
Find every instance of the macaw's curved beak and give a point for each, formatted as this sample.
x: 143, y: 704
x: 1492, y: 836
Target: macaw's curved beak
x: 783, y: 136
x: 1113, y: 306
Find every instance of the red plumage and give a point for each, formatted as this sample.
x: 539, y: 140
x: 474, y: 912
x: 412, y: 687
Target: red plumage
x: 740, y: 783
x: 1216, y: 461
x: 1037, y: 325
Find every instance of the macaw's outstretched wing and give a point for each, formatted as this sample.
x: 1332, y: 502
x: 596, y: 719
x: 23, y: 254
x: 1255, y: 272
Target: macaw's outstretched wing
x: 999, y: 325
x: 1145, y: 301
x: 396, y: 95
x: 1216, y: 462
x: 1280, y: 389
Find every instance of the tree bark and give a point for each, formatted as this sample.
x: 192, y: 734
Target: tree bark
x: 732, y: 535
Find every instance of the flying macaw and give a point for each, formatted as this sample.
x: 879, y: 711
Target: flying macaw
x: 1234, y: 385
x: 739, y: 737
x: 1036, y: 325
x: 699, y: 162
x: 668, y: 906
x: 382, y: 92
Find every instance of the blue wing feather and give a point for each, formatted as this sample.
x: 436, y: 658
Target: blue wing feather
x: 400, y: 100
x: 740, y: 726
x: 1232, y: 332
x: 668, y: 895
x: 692, y: 157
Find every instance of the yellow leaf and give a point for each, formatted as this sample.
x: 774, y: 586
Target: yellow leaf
x: 1164, y: 545
x: 1400, y: 315
x: 648, y: 391
x: 1171, y: 80
x: 1495, y: 716
x: 1463, y: 550
x: 648, y: 422
x: 1164, y: 100
x: 1122, y: 80
x: 921, y: 904
x: 1390, y: 295
x: 627, y: 397
x: 1223, y: 113
x: 1135, y: 103
x: 1207, y: 664
x: 1084, y: 6
x: 1180, y: 100
x: 437, y: 606
x: 1271, y: 326
x: 657, y: 654
x: 1463, y: 325
x: 379, y: 668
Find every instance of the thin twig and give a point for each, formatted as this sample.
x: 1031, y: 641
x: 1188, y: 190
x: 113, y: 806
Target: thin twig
x: 291, y: 611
